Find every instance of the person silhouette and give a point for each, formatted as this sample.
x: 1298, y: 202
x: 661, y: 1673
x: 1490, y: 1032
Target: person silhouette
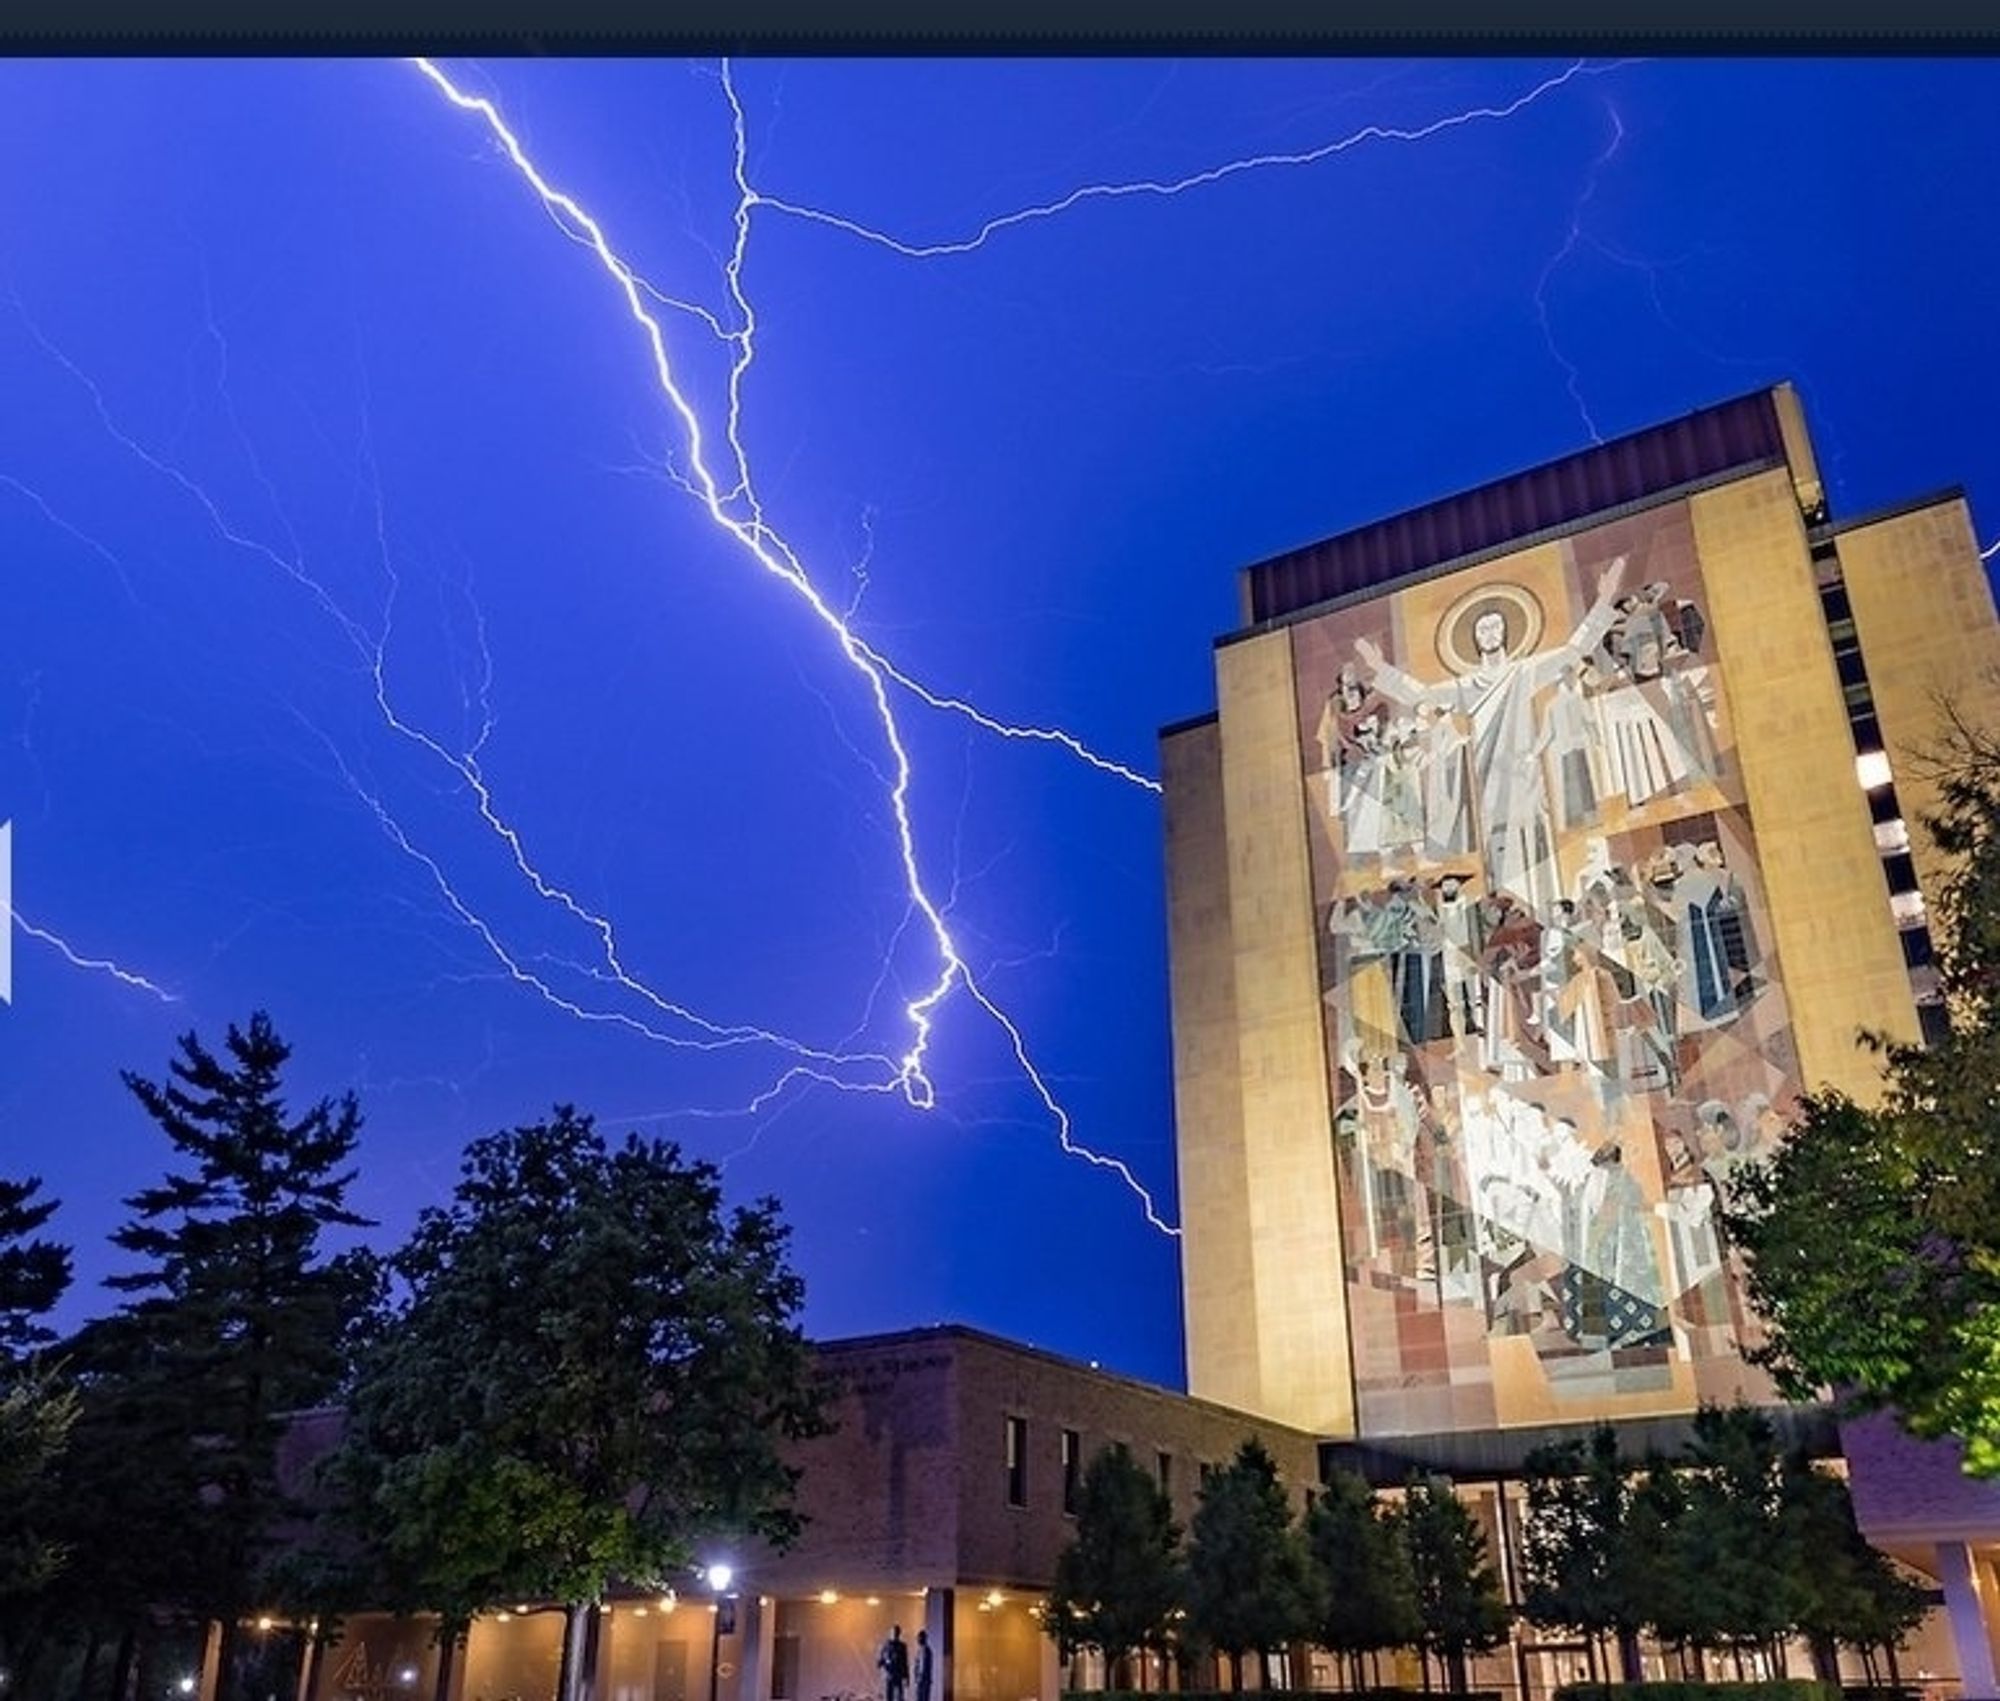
x: 894, y: 1661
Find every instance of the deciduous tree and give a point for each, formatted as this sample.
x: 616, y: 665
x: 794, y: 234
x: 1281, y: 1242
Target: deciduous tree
x: 1460, y: 1608
x: 1249, y: 1582
x: 1366, y: 1592
x: 1118, y: 1582
x: 1581, y: 1568
x: 1873, y: 1235
x: 589, y: 1369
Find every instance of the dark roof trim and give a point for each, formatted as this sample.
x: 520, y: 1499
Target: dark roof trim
x: 1194, y: 723
x: 1894, y: 511
x: 1715, y: 439
x: 1530, y: 540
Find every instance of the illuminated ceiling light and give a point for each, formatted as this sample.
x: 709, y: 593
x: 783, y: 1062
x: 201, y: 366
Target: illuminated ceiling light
x: 185, y: 1686
x: 504, y: 1617
x: 874, y: 1600
x: 264, y: 1623
x: 994, y: 1597
x: 720, y: 1576
x: 521, y: 1609
x: 828, y: 1596
x: 669, y: 1601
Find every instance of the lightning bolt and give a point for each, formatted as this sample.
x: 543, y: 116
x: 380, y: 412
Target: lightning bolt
x: 97, y: 965
x: 1572, y: 379
x: 1166, y: 187
x: 730, y: 501
x: 372, y: 651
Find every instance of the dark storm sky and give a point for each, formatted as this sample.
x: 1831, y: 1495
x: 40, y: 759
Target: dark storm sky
x: 296, y: 372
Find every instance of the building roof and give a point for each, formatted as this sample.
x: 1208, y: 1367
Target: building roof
x: 964, y: 1335
x: 1737, y: 435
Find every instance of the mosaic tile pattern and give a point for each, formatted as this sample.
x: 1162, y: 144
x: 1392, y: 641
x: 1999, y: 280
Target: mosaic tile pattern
x: 1554, y: 1017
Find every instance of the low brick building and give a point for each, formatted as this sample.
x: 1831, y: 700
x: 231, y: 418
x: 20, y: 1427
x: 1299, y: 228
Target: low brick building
x: 939, y: 1503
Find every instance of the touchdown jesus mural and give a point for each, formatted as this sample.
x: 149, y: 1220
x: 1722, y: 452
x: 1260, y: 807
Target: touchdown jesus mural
x: 1552, y: 1007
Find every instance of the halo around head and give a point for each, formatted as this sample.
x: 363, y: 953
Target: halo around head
x: 1515, y: 604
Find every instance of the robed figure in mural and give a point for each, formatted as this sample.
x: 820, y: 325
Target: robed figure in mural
x: 1496, y: 700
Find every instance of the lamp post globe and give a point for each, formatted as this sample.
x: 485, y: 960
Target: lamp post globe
x: 719, y: 1576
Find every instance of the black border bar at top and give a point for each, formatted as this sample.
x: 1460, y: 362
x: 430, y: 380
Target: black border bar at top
x: 1002, y: 27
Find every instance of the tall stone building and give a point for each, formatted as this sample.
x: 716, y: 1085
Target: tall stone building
x: 1546, y: 842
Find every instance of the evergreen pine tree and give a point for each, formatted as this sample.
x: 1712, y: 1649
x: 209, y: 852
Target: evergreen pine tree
x: 34, y: 1274
x: 237, y: 1316
x: 37, y: 1411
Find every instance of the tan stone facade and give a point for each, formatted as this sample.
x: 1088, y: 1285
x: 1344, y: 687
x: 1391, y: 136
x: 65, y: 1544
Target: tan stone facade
x: 1656, y: 787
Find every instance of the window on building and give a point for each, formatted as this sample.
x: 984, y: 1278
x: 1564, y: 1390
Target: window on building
x: 1871, y: 768
x: 1892, y: 836
x: 1908, y: 908
x: 1901, y: 872
x: 1072, y: 1468
x: 1164, y: 1464
x: 1936, y: 1023
x: 1017, y: 1461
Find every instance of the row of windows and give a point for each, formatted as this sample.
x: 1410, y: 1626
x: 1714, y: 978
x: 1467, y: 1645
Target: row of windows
x: 1871, y: 767
x: 1072, y: 1467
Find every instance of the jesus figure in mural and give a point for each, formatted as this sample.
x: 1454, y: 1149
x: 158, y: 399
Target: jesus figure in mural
x: 1496, y: 698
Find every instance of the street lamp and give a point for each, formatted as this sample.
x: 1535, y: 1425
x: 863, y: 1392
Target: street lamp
x: 719, y: 1576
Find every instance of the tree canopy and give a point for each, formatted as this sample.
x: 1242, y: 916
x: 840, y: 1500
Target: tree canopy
x: 1582, y: 1568
x: 587, y: 1372
x: 1249, y: 1580
x: 37, y: 1407
x: 34, y: 1272
x: 1366, y: 1593
x: 1872, y: 1235
x: 1460, y: 1609
x: 1118, y: 1583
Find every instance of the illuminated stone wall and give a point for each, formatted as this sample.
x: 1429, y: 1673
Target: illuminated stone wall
x: 1510, y: 909
x: 1551, y: 976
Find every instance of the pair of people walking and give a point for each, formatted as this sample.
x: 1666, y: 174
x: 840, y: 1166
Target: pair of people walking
x: 899, y: 1662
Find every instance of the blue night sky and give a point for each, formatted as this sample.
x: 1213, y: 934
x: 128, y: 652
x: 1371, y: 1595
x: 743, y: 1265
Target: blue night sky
x: 334, y: 478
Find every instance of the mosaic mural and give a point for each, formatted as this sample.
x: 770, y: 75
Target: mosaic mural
x: 1553, y: 1013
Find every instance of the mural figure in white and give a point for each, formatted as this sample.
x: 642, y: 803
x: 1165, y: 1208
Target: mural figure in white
x: 1496, y: 698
